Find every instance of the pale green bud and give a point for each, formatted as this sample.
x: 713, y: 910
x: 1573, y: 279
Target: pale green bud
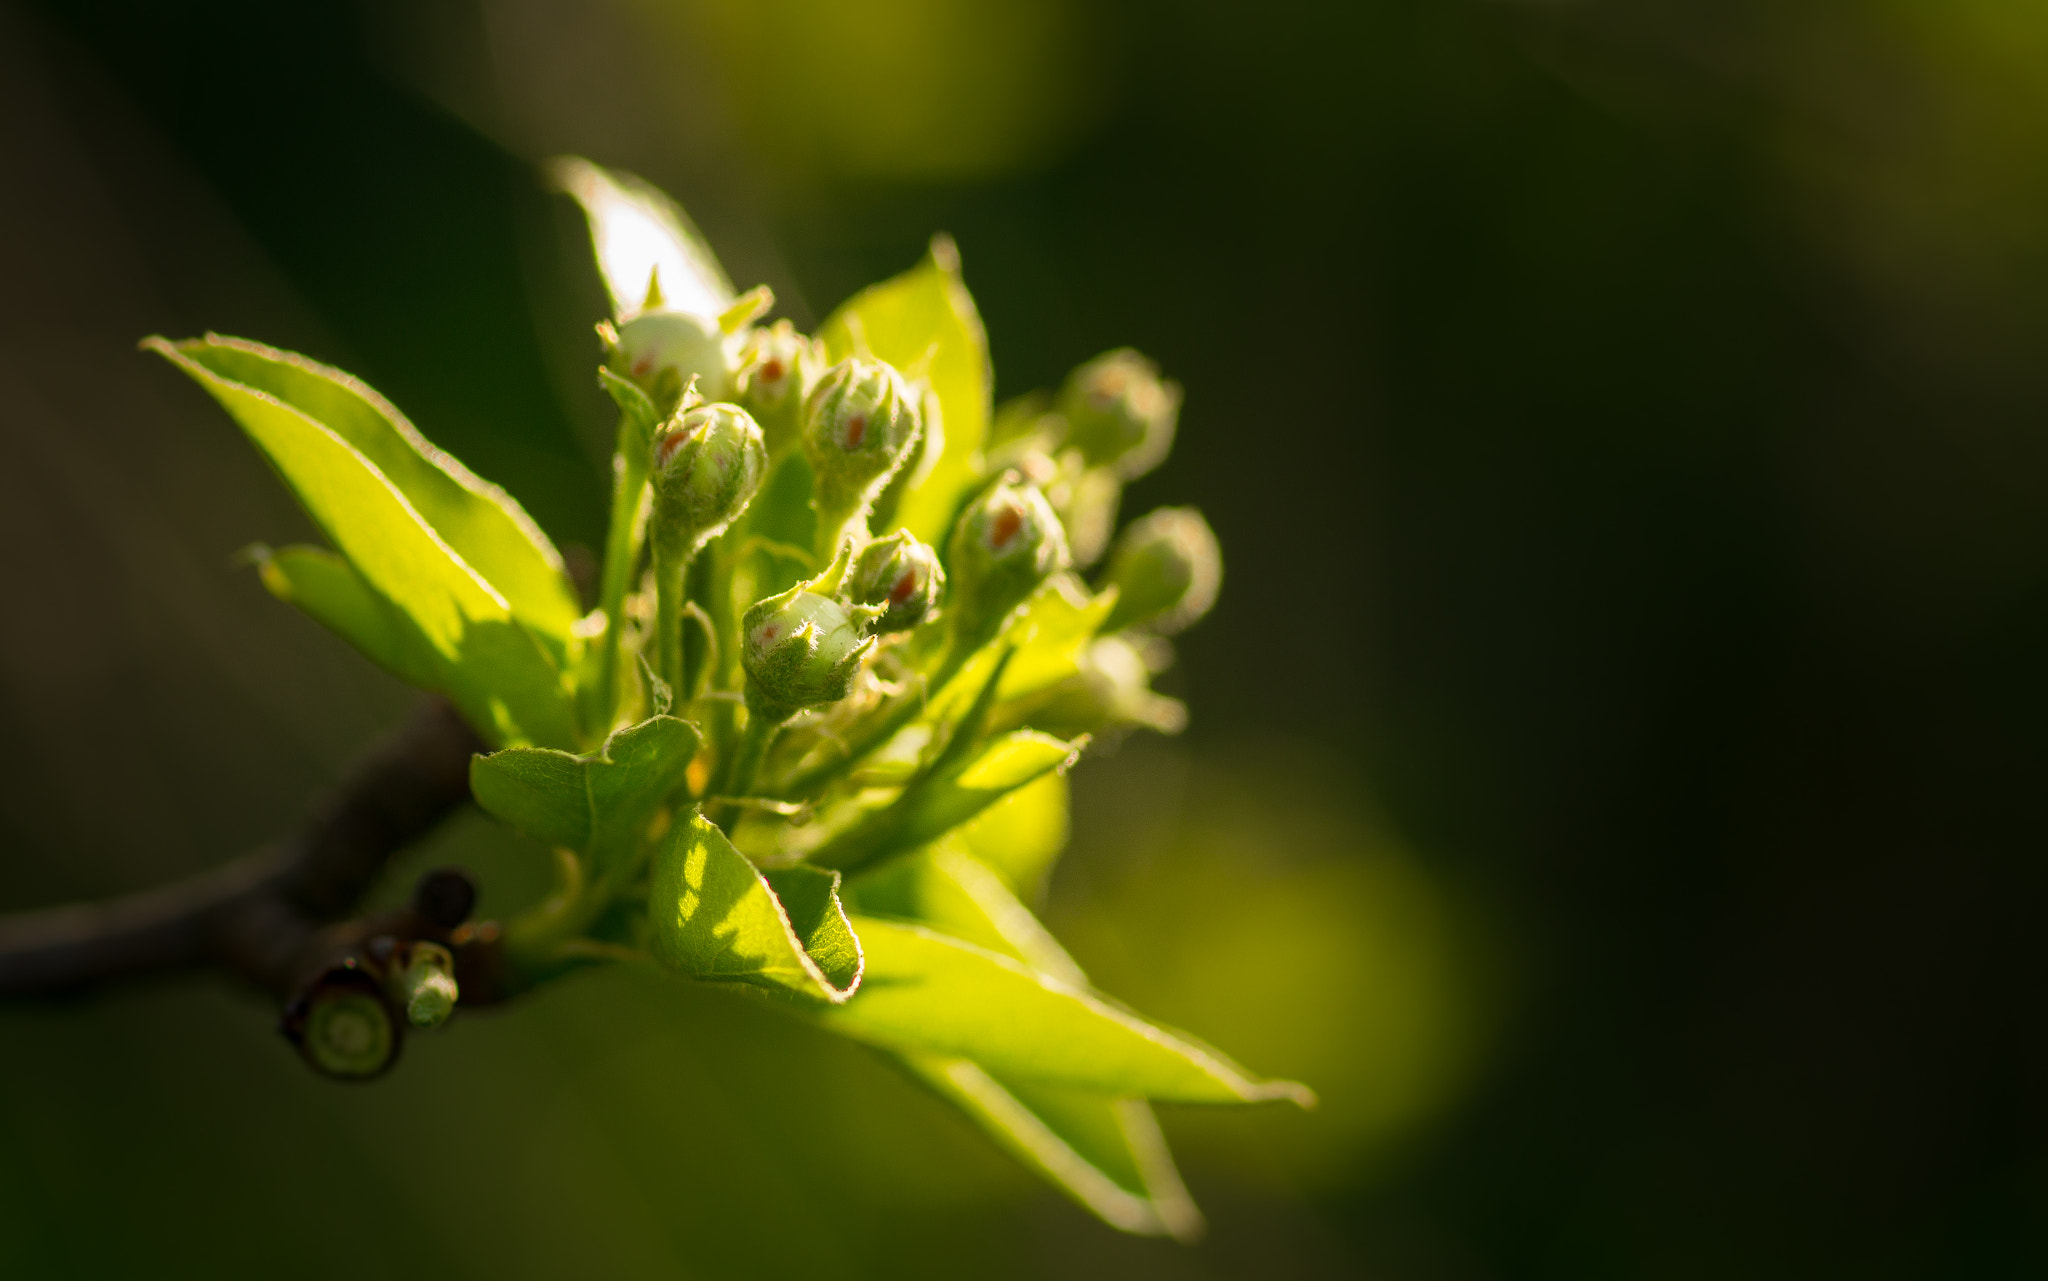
x: 423, y: 980
x: 860, y: 424
x: 708, y: 464
x: 1087, y: 504
x: 1166, y: 569
x: 1005, y: 544
x: 663, y: 350
x: 776, y: 368
x: 802, y: 649
x: 1119, y: 411
x: 900, y: 575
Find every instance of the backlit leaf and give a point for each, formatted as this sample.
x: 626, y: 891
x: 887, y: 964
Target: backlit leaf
x: 941, y: 801
x: 712, y: 916
x: 480, y: 521
x: 323, y: 584
x: 497, y: 672
x: 638, y: 232
x: 599, y: 805
x: 926, y: 993
x: 1105, y: 1152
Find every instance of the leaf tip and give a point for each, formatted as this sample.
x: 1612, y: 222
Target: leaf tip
x: 1287, y: 1092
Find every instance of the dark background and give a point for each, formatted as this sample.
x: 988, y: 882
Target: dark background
x: 1616, y: 771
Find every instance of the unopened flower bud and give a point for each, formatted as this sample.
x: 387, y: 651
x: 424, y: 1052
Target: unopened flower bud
x: 1119, y: 411
x: 1166, y: 569
x: 899, y: 574
x: 776, y: 368
x: 423, y: 980
x: 802, y: 649
x: 860, y: 423
x: 1087, y: 505
x: 663, y: 350
x: 1006, y: 543
x: 708, y: 464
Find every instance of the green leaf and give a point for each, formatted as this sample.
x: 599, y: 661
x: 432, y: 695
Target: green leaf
x: 926, y: 993
x: 322, y: 584
x: 480, y: 521
x: 810, y: 898
x: 924, y: 322
x: 1107, y: 1154
x: 712, y: 916
x: 948, y: 889
x: 504, y: 681
x: 1060, y: 621
x: 640, y: 235
x: 937, y: 803
x: 1021, y: 835
x: 599, y: 805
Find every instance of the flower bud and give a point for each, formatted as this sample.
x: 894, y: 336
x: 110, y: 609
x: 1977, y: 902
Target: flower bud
x: 802, y: 649
x: 775, y: 369
x: 902, y: 576
x: 1119, y: 411
x: 663, y: 350
x: 1087, y: 505
x: 1166, y: 569
x: 860, y: 423
x: 1006, y: 543
x: 708, y: 464
x: 422, y: 979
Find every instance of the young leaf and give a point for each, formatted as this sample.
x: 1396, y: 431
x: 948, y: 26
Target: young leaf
x: 948, y: 889
x: 1020, y: 836
x: 810, y: 898
x: 926, y: 993
x: 1058, y: 624
x: 642, y: 236
x: 480, y: 521
x: 941, y: 801
x: 497, y: 672
x: 1107, y: 1154
x: 598, y: 805
x: 322, y: 584
x: 924, y: 321
x: 712, y: 916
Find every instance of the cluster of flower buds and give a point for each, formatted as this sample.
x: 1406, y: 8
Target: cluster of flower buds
x: 741, y: 400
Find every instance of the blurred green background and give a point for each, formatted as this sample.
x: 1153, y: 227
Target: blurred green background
x: 1616, y: 778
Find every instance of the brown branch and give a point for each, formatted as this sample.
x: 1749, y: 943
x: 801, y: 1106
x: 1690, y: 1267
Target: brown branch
x: 263, y: 914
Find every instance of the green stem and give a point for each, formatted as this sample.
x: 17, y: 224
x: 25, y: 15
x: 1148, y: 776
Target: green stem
x: 867, y: 736
x: 672, y: 557
x: 764, y: 721
x: 621, y: 561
